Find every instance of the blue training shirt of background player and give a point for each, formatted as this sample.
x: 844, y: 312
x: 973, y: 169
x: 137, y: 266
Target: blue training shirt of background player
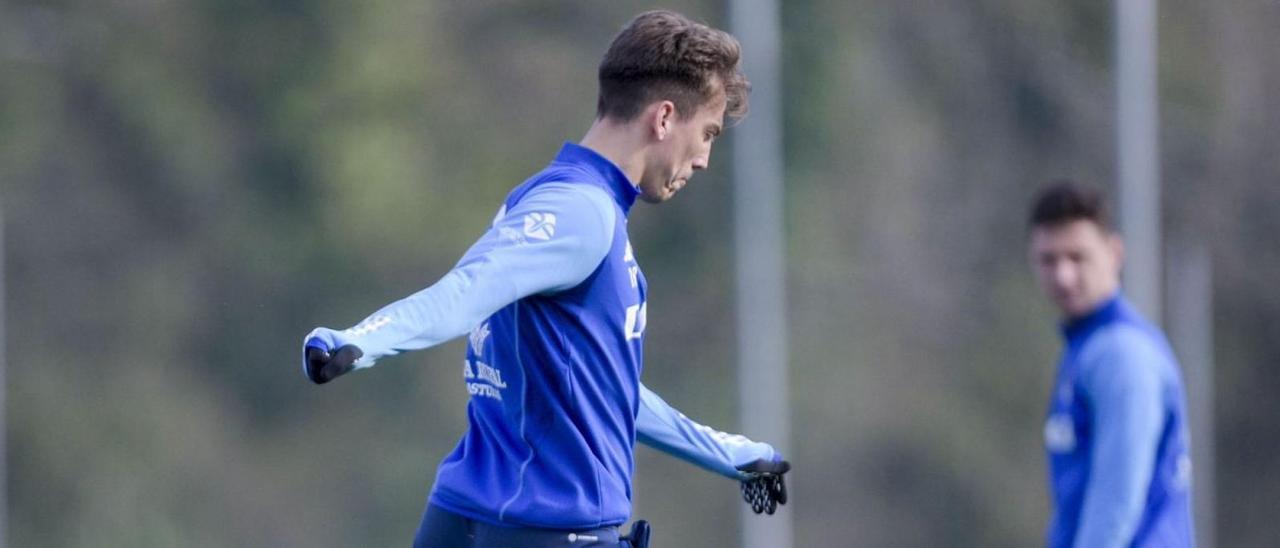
x: 1116, y: 436
x: 554, y: 302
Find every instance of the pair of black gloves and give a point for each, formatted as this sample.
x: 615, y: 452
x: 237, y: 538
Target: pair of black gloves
x: 762, y: 485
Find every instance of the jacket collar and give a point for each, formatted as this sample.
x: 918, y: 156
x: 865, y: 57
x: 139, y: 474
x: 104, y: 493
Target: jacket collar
x: 1109, y: 311
x: 604, y: 170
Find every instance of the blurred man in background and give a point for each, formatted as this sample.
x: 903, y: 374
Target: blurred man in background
x: 554, y: 302
x: 1116, y: 431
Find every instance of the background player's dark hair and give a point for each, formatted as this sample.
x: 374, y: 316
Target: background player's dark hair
x: 662, y: 55
x: 1064, y: 201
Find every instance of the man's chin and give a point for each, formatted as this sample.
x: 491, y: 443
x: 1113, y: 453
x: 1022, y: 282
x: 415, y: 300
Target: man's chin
x: 658, y: 197
x: 1077, y: 308
x: 651, y: 199
x: 1068, y: 307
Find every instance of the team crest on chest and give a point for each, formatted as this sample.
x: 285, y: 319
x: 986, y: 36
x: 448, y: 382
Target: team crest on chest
x: 478, y: 337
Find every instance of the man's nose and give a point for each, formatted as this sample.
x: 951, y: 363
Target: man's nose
x: 700, y: 162
x: 1064, y: 274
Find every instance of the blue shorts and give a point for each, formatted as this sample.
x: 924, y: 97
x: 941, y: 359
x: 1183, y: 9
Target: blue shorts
x: 444, y: 529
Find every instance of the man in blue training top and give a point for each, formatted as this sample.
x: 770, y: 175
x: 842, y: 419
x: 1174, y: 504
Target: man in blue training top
x: 1116, y: 431
x: 553, y: 300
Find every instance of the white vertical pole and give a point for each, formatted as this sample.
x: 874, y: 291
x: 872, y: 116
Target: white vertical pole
x: 1138, y: 152
x: 1191, y: 331
x: 760, y: 255
x: 4, y: 419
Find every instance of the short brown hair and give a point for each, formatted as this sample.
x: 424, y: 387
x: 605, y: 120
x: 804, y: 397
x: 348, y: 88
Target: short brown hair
x: 664, y: 55
x: 1065, y: 201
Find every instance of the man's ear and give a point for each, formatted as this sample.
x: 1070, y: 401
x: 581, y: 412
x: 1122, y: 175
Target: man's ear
x: 1116, y: 243
x: 661, y: 115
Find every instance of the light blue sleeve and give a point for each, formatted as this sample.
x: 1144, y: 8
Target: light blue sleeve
x: 552, y: 239
x: 660, y: 426
x: 1122, y: 380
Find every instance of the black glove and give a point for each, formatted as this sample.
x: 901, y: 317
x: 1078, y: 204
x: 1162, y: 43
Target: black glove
x: 763, y: 487
x: 323, y: 366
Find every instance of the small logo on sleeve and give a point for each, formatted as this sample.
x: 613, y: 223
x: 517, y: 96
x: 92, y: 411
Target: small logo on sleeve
x: 540, y: 226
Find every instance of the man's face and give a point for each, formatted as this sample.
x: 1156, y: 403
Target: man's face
x: 685, y: 147
x: 1077, y: 264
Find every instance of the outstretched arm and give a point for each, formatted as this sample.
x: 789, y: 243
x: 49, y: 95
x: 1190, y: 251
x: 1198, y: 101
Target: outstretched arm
x: 550, y: 241
x: 662, y: 427
x: 757, y: 465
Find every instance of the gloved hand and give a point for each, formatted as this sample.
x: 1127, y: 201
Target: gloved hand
x: 326, y: 355
x: 762, y: 484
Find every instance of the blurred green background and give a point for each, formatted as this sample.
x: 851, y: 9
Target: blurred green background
x: 189, y: 187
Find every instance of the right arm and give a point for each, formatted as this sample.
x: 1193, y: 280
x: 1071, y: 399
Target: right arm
x: 550, y: 241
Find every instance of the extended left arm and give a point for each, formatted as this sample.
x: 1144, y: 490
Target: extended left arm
x: 662, y: 427
x: 757, y: 465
